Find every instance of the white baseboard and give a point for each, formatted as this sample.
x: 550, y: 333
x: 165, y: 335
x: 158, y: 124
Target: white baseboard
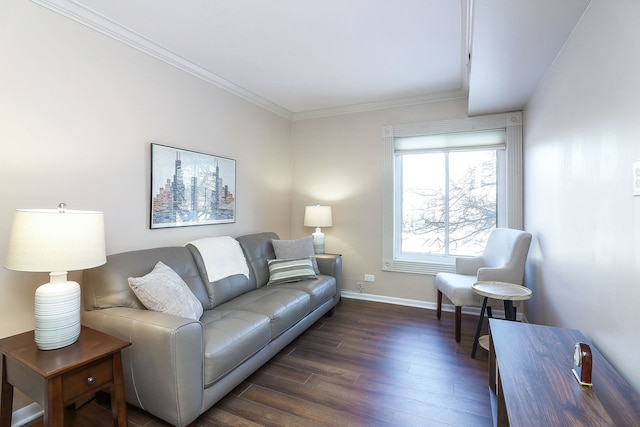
x: 26, y: 414
x: 390, y: 300
x: 421, y: 304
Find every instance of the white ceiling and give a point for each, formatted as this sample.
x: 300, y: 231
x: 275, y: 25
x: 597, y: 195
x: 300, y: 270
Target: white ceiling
x: 513, y: 44
x: 306, y: 58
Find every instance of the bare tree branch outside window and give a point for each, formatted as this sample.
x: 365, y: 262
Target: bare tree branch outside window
x: 454, y: 219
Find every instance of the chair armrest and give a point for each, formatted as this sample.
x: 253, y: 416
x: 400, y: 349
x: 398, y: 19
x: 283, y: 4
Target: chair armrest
x: 469, y: 265
x: 163, y: 368
x: 331, y: 265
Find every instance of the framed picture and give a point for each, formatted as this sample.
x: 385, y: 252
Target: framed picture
x: 190, y: 188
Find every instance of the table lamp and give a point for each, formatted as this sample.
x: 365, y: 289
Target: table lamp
x: 318, y: 216
x: 56, y: 241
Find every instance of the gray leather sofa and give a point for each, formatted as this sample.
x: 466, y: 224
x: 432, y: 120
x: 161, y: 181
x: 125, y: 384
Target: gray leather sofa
x: 177, y: 368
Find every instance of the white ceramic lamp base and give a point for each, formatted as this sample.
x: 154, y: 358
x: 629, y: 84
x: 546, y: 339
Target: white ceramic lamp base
x: 57, y: 313
x: 318, y: 241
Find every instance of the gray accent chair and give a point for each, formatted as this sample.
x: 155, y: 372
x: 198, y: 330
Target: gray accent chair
x: 503, y: 260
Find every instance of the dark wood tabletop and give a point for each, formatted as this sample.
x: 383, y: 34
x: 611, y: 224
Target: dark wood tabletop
x: 91, y: 346
x: 535, y: 368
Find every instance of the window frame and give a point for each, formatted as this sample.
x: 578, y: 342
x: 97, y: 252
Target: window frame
x: 510, y: 213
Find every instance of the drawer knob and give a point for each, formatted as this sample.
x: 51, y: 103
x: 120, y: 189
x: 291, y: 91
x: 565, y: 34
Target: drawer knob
x: 91, y: 380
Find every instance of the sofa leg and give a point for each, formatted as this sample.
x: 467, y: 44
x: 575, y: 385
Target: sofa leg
x: 330, y: 312
x: 458, y: 322
x: 439, y: 309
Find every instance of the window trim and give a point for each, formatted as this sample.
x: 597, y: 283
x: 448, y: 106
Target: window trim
x: 511, y: 122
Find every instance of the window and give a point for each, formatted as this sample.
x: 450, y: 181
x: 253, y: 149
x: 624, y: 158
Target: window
x: 447, y: 185
x: 446, y: 202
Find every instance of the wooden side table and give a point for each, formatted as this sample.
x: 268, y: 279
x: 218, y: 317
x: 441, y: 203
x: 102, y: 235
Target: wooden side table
x: 57, y: 378
x: 508, y: 292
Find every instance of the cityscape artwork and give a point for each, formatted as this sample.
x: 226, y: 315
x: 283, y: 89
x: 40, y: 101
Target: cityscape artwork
x: 190, y: 188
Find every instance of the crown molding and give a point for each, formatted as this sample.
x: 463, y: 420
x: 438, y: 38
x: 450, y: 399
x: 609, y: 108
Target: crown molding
x: 381, y: 105
x: 94, y: 20
x: 104, y: 25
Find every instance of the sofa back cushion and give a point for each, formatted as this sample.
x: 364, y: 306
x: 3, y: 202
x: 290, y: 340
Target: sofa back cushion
x: 107, y: 286
x: 222, y: 290
x: 258, y: 249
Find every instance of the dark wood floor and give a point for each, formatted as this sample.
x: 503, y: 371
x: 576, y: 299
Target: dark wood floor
x: 371, y: 364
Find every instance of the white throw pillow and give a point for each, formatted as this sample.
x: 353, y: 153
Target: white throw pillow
x: 164, y: 290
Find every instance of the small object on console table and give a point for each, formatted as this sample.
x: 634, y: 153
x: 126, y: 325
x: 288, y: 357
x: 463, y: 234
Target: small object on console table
x: 582, y: 363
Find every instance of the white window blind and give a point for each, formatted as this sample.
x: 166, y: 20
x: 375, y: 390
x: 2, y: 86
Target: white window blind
x: 489, y: 139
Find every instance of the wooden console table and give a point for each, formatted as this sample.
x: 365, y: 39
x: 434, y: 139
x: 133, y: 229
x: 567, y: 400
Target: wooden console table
x: 532, y: 384
x: 57, y: 378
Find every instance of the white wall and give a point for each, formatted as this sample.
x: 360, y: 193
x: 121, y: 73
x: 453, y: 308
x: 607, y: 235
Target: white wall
x: 581, y: 134
x: 78, y: 112
x: 338, y: 161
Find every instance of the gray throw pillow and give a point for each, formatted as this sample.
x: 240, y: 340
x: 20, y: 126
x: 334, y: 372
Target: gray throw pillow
x: 164, y: 290
x: 294, y: 249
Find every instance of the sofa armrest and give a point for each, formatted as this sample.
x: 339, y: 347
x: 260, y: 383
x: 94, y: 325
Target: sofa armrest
x: 331, y: 265
x: 163, y: 368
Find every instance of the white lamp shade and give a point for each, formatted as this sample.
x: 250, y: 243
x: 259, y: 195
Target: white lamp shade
x: 46, y: 240
x: 318, y: 216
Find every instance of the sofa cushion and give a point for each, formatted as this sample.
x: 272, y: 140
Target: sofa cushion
x: 290, y: 270
x: 257, y: 250
x: 221, y: 257
x: 163, y: 290
x: 284, y: 306
x: 298, y: 248
x: 222, y: 290
x: 320, y: 290
x: 226, y: 289
x: 230, y: 338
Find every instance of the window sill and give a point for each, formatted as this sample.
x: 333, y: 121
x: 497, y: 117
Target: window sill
x: 417, y: 267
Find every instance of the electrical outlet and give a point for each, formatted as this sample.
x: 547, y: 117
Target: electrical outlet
x: 369, y: 278
x: 360, y: 286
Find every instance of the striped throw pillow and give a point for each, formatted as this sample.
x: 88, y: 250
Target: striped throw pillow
x: 290, y: 270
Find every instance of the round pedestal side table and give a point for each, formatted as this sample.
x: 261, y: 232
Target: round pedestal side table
x: 508, y: 292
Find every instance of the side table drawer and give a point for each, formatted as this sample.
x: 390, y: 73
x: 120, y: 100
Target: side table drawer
x: 88, y: 379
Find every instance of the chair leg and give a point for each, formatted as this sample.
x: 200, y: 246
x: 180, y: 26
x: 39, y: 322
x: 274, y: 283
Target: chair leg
x: 458, y: 315
x: 458, y: 322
